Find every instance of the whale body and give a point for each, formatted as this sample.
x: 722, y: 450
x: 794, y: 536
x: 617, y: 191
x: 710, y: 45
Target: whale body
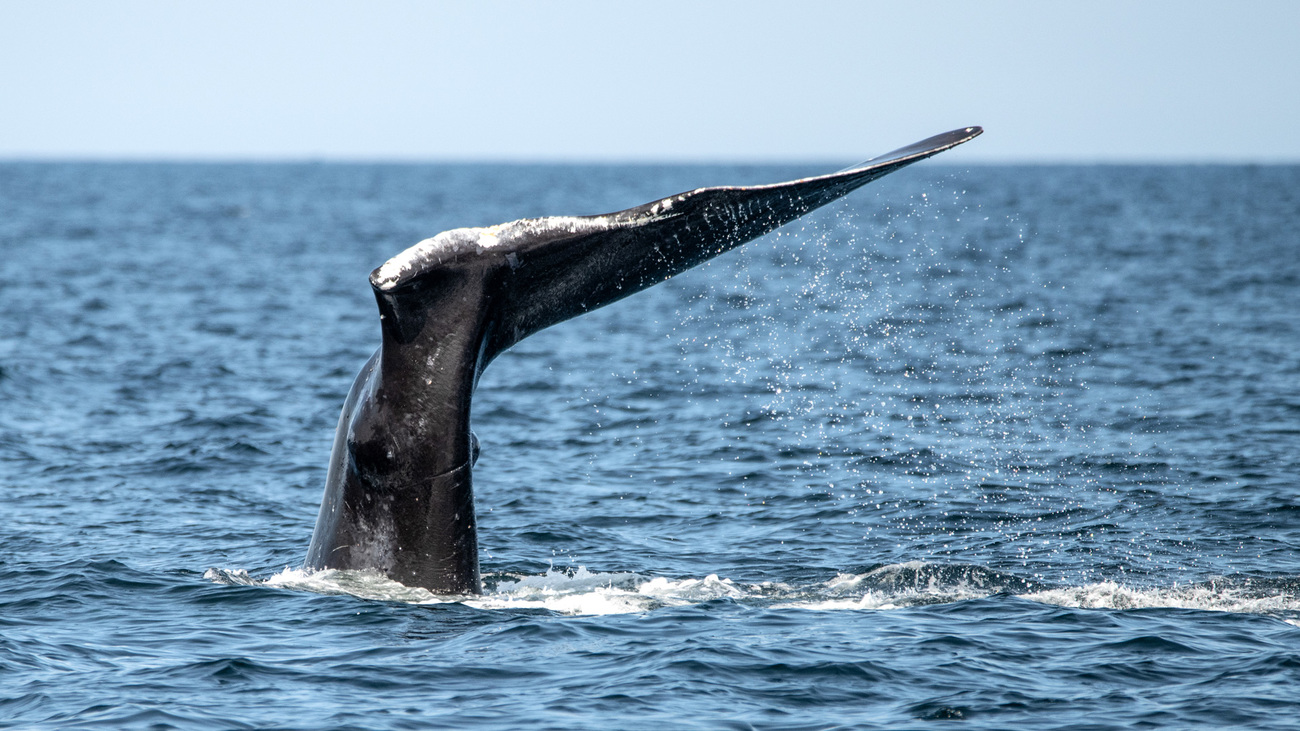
x: 399, y: 495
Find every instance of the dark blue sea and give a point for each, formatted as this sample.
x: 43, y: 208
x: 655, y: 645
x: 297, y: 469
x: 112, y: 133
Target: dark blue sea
x: 997, y: 447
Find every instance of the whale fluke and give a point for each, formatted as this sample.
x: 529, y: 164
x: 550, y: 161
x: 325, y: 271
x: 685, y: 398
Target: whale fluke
x: 399, y: 498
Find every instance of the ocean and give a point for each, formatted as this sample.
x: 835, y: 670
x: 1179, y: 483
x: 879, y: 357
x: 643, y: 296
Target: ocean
x: 988, y: 447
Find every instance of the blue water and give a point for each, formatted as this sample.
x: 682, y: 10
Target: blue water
x: 988, y: 448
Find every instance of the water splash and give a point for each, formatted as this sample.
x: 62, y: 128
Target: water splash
x: 890, y: 587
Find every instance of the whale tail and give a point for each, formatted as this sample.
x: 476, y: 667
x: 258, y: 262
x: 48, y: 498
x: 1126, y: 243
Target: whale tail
x: 398, y: 497
x: 544, y: 271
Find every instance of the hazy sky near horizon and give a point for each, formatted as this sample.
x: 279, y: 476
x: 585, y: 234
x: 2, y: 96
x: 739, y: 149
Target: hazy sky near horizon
x: 663, y: 81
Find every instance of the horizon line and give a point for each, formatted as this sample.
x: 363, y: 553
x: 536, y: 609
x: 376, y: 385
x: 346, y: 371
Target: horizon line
x: 977, y: 161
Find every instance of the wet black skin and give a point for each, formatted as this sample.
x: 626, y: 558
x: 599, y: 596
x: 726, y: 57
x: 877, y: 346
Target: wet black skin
x: 399, y: 495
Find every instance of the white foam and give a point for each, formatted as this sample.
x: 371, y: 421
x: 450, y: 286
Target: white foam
x: 585, y: 592
x: 581, y: 592
x: 1110, y: 595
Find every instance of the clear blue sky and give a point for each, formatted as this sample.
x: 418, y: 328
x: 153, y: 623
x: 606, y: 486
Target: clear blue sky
x: 698, y: 80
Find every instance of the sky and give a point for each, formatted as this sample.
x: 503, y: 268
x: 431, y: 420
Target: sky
x: 668, y: 81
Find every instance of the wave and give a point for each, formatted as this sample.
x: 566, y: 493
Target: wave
x: 580, y: 592
x: 894, y: 586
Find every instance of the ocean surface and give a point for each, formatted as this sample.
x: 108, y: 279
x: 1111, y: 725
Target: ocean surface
x: 998, y: 447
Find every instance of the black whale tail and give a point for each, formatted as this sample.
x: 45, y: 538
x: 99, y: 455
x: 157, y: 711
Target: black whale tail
x: 399, y: 495
x: 605, y: 258
x: 548, y: 270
